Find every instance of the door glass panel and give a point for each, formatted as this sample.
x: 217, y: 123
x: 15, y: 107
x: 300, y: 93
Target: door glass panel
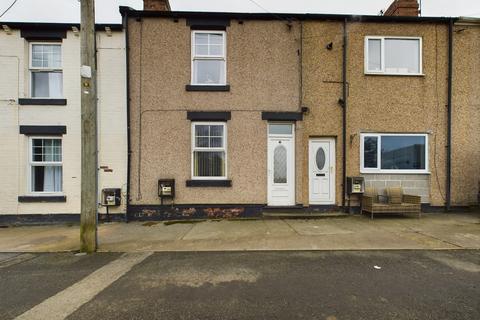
x: 280, y: 164
x: 320, y: 158
x: 280, y: 128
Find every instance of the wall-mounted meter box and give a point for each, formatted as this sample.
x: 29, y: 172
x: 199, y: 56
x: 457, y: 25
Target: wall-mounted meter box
x: 111, y: 197
x: 355, y: 185
x: 166, y: 188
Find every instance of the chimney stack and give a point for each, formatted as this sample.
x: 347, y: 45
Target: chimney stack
x: 156, y: 5
x: 403, y: 8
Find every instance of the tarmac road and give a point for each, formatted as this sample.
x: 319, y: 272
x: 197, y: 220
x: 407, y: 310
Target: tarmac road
x: 242, y: 285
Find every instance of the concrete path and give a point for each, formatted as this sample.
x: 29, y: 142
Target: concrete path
x: 431, y: 232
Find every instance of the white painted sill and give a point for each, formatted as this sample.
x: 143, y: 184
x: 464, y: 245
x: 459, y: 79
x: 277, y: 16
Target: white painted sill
x: 394, y: 74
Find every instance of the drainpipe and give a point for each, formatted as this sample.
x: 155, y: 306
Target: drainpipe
x: 344, y: 113
x: 129, y: 148
x: 449, y: 116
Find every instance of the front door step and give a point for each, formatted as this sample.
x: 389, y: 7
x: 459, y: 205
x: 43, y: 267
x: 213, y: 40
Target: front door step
x: 303, y: 215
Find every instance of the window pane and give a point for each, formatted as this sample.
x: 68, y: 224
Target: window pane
x: 374, y: 55
x: 320, y: 158
x: 47, y: 179
x: 402, y: 55
x: 370, y: 152
x: 202, y: 142
x: 216, y: 131
x: 216, y: 142
x: 280, y: 165
x: 403, y: 152
x: 216, y: 50
x: 47, y: 84
x: 201, y: 38
x: 209, y: 71
x: 202, y: 130
x: 279, y: 128
x: 209, y: 164
x: 201, y: 49
x: 216, y: 38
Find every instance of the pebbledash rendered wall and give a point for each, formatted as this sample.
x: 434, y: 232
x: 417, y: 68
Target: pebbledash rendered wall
x: 397, y: 104
x: 466, y: 112
x: 263, y: 73
x: 112, y: 121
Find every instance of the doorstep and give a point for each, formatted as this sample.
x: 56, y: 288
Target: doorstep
x: 304, y: 215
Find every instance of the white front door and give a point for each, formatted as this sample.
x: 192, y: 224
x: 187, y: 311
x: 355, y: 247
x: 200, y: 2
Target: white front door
x: 321, y: 164
x: 281, y: 164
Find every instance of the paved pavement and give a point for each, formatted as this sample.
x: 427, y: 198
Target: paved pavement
x: 330, y: 285
x: 432, y: 231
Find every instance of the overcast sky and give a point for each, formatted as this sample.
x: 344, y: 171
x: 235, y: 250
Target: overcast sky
x: 107, y: 10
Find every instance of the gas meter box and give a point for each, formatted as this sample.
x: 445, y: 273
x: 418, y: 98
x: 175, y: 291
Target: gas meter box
x: 111, y: 197
x: 166, y: 188
x: 355, y: 185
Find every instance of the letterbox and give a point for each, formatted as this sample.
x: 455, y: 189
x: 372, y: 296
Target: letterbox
x: 355, y: 185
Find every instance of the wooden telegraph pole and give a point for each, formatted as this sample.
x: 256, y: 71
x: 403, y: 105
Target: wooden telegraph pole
x: 88, y: 219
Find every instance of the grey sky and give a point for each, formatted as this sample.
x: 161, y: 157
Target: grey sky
x: 107, y: 10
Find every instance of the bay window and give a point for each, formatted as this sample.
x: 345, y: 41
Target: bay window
x: 393, y: 153
x: 209, y: 150
x: 46, y: 76
x: 208, y: 58
x: 45, y: 165
x: 393, y: 55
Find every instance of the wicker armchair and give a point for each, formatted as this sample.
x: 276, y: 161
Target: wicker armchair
x: 395, y: 202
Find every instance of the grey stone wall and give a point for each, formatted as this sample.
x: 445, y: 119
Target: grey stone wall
x: 415, y: 184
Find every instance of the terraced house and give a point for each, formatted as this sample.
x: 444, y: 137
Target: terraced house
x: 40, y: 119
x: 236, y: 114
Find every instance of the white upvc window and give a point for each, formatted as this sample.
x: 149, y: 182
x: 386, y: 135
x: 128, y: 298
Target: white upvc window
x: 45, y: 165
x: 209, y: 58
x: 46, y: 74
x: 393, y: 153
x: 209, y: 150
x: 393, y: 55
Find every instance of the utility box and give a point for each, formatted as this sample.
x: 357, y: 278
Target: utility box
x: 166, y: 189
x: 111, y: 197
x: 355, y: 185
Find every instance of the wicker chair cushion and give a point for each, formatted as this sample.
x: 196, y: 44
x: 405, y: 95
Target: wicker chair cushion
x: 371, y: 192
x: 394, y: 195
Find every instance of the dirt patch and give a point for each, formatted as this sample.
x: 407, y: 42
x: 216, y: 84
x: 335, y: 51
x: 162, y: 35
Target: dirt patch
x: 196, y: 278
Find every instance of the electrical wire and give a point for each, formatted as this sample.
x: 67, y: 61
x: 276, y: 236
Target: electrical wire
x: 13, y: 3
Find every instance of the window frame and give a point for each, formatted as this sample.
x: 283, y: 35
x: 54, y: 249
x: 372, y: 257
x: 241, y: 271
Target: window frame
x: 194, y: 56
x: 378, y: 169
x: 32, y: 69
x: 215, y: 149
x: 382, y: 56
x: 32, y: 164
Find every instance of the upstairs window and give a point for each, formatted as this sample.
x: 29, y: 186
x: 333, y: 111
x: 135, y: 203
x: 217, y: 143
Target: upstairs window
x: 46, y: 76
x: 209, y: 150
x: 208, y: 58
x: 393, y: 55
x: 394, y: 153
x: 46, y: 165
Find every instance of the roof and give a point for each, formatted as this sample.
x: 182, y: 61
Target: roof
x: 57, y: 26
x: 127, y: 11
